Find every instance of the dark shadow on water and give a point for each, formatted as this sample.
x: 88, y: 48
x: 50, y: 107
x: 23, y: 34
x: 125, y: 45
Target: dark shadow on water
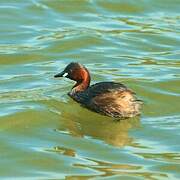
x: 81, y: 122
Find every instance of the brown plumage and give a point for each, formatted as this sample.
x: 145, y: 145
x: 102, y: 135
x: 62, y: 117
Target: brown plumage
x: 107, y: 98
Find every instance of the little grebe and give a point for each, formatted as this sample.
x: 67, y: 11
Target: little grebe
x: 108, y: 98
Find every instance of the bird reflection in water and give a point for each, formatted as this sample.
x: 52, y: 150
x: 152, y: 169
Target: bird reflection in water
x: 83, y: 123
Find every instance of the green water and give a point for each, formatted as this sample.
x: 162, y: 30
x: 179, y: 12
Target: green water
x: 46, y: 135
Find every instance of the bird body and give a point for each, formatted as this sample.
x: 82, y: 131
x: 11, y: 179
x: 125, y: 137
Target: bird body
x: 108, y: 98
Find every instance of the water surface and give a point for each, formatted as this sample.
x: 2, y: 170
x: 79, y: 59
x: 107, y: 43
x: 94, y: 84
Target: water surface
x: 45, y: 134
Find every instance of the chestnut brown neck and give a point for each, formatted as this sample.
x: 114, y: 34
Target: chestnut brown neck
x: 83, y: 82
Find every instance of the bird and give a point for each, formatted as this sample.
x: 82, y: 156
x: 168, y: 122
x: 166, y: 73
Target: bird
x: 112, y: 99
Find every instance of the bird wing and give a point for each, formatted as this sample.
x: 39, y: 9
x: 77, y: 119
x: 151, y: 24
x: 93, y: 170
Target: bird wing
x: 113, y: 99
x: 104, y: 87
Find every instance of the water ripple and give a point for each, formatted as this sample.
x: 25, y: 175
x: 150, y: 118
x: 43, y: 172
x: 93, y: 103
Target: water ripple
x: 44, y: 133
